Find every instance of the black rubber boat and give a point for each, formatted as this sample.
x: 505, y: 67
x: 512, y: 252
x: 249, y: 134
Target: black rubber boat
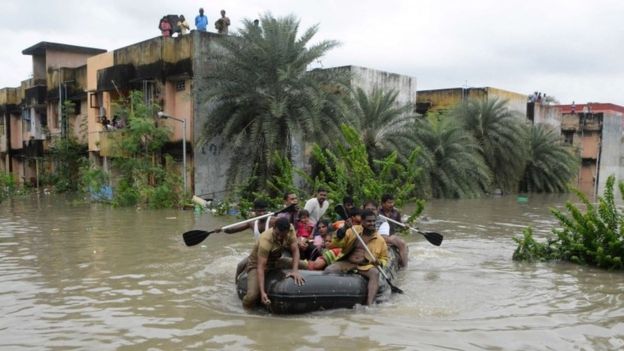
x: 321, y: 291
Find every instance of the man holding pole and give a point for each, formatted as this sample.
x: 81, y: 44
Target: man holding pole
x: 363, y: 250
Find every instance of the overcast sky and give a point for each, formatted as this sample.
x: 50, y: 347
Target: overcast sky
x: 569, y: 49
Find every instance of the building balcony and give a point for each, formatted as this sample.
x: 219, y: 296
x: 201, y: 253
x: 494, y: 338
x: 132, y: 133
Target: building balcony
x: 570, y: 126
x: 592, y: 125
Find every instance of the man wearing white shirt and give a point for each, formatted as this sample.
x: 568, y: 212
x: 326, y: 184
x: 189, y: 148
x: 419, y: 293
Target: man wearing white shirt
x: 317, y: 205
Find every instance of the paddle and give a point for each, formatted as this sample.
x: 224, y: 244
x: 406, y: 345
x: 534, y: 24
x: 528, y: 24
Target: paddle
x: 196, y: 236
x: 432, y: 237
x: 342, y: 212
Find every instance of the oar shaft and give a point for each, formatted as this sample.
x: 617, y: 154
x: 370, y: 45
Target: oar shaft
x: 397, y: 222
x: 248, y: 220
x: 369, y: 253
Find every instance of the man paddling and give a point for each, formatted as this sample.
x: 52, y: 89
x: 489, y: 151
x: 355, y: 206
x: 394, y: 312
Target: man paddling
x: 355, y: 257
x: 388, y: 210
x: 257, y: 227
x: 266, y: 255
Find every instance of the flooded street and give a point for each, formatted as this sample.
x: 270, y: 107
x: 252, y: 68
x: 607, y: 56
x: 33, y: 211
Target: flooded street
x: 76, y: 276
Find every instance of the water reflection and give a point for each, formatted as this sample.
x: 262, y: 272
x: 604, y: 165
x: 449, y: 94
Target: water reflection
x: 92, y: 277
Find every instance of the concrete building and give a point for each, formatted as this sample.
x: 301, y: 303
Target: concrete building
x: 31, y: 115
x: 597, y: 130
x: 444, y: 99
x: 172, y: 73
x: 543, y: 113
x: 165, y: 70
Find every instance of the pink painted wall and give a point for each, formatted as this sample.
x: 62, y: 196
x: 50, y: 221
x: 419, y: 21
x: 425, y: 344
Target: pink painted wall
x: 95, y: 63
x: 179, y: 104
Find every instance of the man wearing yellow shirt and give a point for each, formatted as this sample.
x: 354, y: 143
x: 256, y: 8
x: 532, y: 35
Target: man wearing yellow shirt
x: 354, y: 256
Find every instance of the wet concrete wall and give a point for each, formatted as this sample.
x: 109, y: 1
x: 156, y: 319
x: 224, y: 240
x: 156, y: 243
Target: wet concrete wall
x: 612, y: 149
x: 444, y: 99
x: 368, y: 79
x: 212, y: 157
x: 546, y: 114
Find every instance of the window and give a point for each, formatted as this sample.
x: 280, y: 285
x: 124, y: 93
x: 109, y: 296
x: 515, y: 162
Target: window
x: 180, y: 85
x: 26, y: 118
x: 94, y: 100
x: 149, y: 92
x: 568, y: 137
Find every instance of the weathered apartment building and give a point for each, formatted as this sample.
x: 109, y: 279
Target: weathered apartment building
x: 595, y: 129
x: 30, y: 114
x: 171, y: 72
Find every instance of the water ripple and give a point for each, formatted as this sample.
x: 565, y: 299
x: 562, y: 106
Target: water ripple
x: 92, y: 277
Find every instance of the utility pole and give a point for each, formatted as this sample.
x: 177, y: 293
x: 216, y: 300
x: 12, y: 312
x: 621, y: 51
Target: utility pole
x: 60, y: 103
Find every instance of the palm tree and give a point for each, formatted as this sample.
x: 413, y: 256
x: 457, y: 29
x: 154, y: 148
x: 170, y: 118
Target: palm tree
x: 501, y: 135
x: 451, y: 158
x: 263, y: 98
x: 384, y: 125
x: 551, y: 164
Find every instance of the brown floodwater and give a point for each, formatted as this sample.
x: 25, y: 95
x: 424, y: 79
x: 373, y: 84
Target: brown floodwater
x: 90, y: 277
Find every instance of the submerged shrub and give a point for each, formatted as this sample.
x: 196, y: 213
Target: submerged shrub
x: 530, y: 250
x: 594, y: 237
x: 7, y: 186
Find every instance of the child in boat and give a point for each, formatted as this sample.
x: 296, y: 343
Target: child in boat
x: 328, y: 256
x: 322, y: 227
x: 304, y: 229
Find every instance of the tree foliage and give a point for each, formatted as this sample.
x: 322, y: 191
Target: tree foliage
x: 451, y: 159
x: 383, y: 124
x: 347, y: 171
x: 551, y: 163
x: 262, y: 96
x: 501, y: 135
x: 8, y: 185
x: 143, y: 180
x: 68, y: 156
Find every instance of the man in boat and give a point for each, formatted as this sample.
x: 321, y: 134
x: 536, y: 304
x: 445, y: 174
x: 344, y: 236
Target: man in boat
x: 354, y: 256
x: 290, y: 198
x: 257, y: 227
x: 317, y: 206
x: 355, y: 218
x: 387, y: 210
x: 348, y: 202
x: 266, y: 255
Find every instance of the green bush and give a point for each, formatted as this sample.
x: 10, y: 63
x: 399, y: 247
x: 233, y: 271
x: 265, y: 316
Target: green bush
x: 125, y: 195
x: 347, y: 171
x: 530, y: 250
x: 146, y: 177
x: 69, y: 156
x: 594, y: 237
x: 7, y: 186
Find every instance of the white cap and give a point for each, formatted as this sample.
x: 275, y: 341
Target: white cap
x: 384, y: 228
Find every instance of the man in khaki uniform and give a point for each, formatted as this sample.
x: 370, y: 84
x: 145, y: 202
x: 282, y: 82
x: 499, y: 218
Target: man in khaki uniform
x: 266, y: 255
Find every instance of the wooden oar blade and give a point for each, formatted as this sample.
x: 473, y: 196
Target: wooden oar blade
x: 433, y: 237
x: 194, y: 237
